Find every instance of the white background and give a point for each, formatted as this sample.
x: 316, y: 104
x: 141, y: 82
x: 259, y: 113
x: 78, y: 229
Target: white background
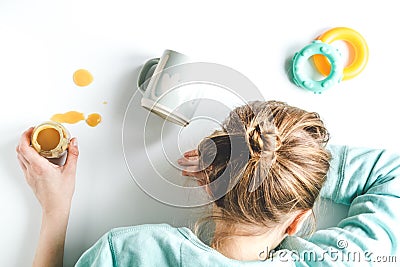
x: 43, y: 42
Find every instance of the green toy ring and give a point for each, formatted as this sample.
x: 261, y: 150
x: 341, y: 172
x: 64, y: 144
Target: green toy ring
x: 300, y: 58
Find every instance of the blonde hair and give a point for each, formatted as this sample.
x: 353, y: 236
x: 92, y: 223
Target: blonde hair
x: 268, y: 160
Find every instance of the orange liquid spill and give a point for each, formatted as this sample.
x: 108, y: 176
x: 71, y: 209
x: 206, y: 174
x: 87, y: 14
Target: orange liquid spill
x: 82, y: 77
x: 93, y: 119
x: 68, y: 117
x: 72, y: 117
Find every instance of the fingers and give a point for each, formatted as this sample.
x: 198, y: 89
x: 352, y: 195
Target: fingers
x: 191, y: 153
x: 190, y: 158
x: 25, y: 139
x: 191, y: 169
x: 22, y: 162
x: 72, y: 157
x: 190, y: 164
x: 188, y: 161
x: 24, y: 147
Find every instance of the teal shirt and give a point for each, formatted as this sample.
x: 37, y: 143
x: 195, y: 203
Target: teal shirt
x: 366, y: 180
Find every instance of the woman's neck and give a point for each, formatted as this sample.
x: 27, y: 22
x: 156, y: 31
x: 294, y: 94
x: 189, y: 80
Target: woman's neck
x: 245, y: 247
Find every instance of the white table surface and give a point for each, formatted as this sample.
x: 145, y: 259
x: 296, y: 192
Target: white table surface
x: 43, y: 42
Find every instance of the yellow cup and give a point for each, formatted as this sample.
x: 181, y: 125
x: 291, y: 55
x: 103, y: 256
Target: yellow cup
x: 50, y: 140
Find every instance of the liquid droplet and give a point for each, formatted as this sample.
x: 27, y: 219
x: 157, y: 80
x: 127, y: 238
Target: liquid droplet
x: 82, y: 77
x: 93, y: 119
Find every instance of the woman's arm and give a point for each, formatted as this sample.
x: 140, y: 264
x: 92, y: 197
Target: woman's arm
x: 356, y: 171
x: 368, y: 180
x: 53, y: 186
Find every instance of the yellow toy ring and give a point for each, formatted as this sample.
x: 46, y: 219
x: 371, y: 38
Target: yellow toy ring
x: 355, y: 40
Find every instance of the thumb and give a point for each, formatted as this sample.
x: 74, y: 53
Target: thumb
x: 72, y: 157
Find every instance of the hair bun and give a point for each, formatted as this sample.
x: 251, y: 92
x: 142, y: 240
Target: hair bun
x: 263, y: 139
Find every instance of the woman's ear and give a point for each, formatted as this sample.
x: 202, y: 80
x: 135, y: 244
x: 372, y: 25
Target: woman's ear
x: 298, y: 221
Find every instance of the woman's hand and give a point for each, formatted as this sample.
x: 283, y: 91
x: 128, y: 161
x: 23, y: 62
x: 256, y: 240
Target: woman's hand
x: 190, y: 164
x: 52, y: 185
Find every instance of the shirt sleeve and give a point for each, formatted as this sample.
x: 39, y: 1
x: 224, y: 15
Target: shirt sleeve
x: 367, y: 180
x: 99, y: 255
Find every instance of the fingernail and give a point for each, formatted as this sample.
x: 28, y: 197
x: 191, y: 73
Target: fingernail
x: 74, y: 142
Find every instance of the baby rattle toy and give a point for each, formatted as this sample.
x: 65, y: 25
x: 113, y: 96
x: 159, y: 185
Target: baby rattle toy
x: 355, y: 40
x: 317, y: 47
x: 329, y: 61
